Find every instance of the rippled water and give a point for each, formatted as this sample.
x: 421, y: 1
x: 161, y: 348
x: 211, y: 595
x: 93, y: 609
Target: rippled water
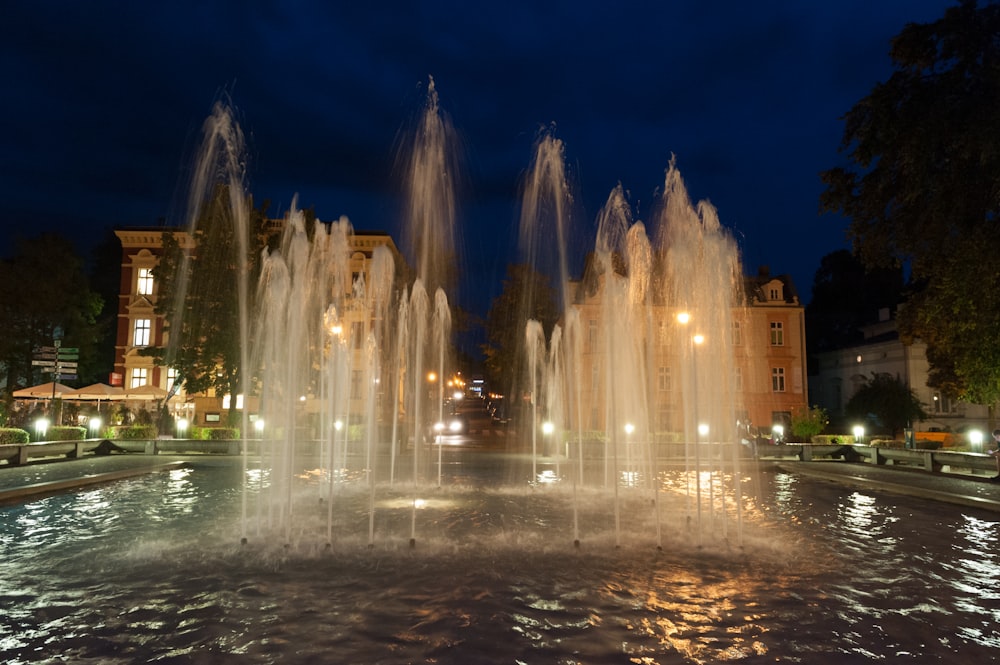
x: 151, y: 570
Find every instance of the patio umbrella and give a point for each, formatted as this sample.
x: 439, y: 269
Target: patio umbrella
x: 43, y: 391
x: 145, y: 392
x: 97, y: 392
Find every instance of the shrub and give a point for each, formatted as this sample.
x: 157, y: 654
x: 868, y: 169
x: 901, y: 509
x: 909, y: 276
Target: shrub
x: 66, y: 433
x: 215, y: 433
x: 13, y: 435
x: 132, y: 432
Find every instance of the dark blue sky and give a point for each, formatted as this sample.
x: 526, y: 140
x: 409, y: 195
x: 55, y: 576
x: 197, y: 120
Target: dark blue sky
x: 104, y: 102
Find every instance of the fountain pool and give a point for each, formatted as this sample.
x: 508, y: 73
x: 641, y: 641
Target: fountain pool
x: 149, y: 570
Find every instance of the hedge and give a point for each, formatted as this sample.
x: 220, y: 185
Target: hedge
x: 132, y: 432
x: 66, y: 433
x: 13, y: 435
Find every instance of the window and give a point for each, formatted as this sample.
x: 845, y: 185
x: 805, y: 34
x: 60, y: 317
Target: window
x: 737, y: 334
x: 664, y: 379
x: 140, y: 376
x: 666, y: 417
x: 356, y: 384
x: 738, y: 378
x: 140, y: 332
x: 358, y: 335
x: 592, y: 334
x: 144, y: 283
x: 778, y: 379
x: 943, y: 404
x: 777, y: 333
x: 774, y: 293
x: 172, y: 375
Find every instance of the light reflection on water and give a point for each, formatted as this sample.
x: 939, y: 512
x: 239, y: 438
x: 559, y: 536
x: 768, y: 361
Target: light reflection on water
x: 151, y: 569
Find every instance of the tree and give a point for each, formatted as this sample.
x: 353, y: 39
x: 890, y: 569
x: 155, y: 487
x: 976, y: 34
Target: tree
x: 526, y: 295
x: 807, y: 423
x: 199, y: 299
x: 44, y: 287
x: 845, y: 297
x: 886, y: 404
x: 923, y: 191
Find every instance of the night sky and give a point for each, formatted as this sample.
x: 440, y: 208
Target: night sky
x: 104, y: 103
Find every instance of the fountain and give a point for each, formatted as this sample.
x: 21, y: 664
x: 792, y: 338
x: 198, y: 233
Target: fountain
x: 627, y: 531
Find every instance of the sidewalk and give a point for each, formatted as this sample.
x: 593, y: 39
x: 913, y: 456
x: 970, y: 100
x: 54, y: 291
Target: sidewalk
x: 965, y: 490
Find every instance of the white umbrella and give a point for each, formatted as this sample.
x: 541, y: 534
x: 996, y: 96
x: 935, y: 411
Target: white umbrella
x: 43, y: 391
x: 145, y: 392
x: 96, y: 391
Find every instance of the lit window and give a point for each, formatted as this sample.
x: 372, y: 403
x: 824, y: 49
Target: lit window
x: 140, y: 332
x: 144, y: 284
x: 227, y: 402
x: 140, y: 375
x: 777, y: 333
x: 778, y: 379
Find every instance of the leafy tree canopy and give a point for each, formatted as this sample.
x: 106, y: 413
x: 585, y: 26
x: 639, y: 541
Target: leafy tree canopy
x: 884, y: 403
x: 199, y: 298
x: 846, y: 296
x: 526, y: 295
x: 44, y: 287
x: 923, y: 190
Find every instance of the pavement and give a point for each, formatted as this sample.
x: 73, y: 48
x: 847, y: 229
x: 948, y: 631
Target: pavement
x: 963, y: 489
x: 41, y: 478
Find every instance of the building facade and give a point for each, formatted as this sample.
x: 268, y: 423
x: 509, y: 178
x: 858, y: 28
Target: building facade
x: 140, y: 327
x: 835, y: 376
x: 751, y: 377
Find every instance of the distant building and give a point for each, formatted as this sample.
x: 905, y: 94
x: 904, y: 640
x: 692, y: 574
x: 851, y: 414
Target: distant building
x: 836, y: 375
x: 765, y: 375
x: 140, y: 327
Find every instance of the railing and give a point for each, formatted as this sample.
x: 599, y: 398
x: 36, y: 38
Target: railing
x: 22, y: 453
x: 947, y: 461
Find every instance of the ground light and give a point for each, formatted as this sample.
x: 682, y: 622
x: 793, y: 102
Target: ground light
x: 258, y: 426
x: 778, y: 433
x: 859, y: 433
x: 94, y: 424
x: 976, y: 440
x: 41, y: 427
x: 182, y: 425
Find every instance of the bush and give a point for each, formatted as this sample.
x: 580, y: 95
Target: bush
x: 66, y: 433
x: 132, y: 432
x: 13, y: 435
x: 215, y: 433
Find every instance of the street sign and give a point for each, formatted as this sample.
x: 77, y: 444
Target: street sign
x: 45, y: 356
x: 68, y: 349
x: 43, y: 363
x: 68, y: 365
x: 69, y: 356
x: 46, y: 349
x: 68, y: 377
